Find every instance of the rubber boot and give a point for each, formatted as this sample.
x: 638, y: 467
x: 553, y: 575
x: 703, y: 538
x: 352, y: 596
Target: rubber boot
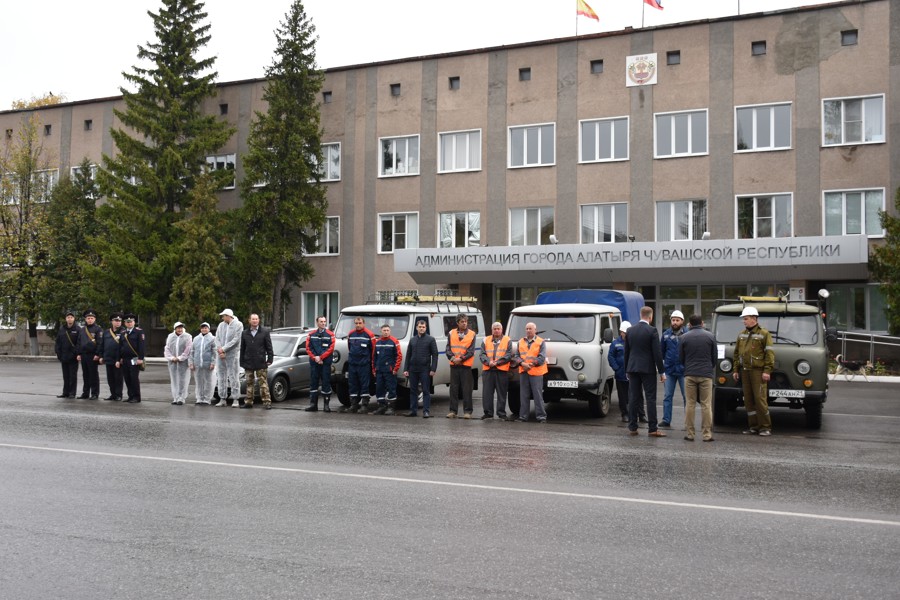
x: 326, y: 400
x: 390, y: 408
x: 354, y: 406
x: 382, y: 409
x: 364, y: 406
x: 313, y: 402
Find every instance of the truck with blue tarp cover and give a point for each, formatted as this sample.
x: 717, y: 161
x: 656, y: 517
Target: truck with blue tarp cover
x: 628, y: 303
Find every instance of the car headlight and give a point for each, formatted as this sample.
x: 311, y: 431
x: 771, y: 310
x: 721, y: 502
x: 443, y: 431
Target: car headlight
x: 577, y: 363
x: 725, y: 366
x: 803, y: 367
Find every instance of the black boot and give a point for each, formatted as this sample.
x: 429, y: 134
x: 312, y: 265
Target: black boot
x: 313, y: 404
x: 390, y: 408
x: 353, y: 407
x: 382, y: 409
x: 364, y: 406
x: 326, y: 400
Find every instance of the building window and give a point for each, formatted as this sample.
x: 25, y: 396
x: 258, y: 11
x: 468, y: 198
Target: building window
x: 525, y: 74
x: 604, y: 139
x: 681, y: 133
x: 329, y: 238
x: 460, y: 151
x: 317, y: 304
x: 330, y: 167
x: 856, y: 308
x: 530, y: 226
x: 223, y: 109
x: 853, y: 120
x: 596, y: 66
x: 459, y: 229
x: 92, y: 174
x: 850, y: 37
x: 48, y: 129
x: 395, y: 89
x: 454, y: 83
x: 532, y: 145
x: 399, y: 156
x: 45, y: 180
x: 398, y: 231
x: 88, y: 124
x: 764, y: 216
x: 326, y: 97
x: 222, y: 161
x: 766, y: 127
x: 601, y: 223
x: 673, y: 57
x: 758, y: 48
x: 854, y: 212
x: 680, y: 220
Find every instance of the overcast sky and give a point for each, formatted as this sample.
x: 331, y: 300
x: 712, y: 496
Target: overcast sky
x: 80, y: 49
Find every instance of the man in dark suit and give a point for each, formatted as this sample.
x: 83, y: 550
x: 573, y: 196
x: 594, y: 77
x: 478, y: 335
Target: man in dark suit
x: 643, y: 360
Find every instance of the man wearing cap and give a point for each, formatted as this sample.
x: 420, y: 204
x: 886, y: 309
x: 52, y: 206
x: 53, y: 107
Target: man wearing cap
x: 228, y: 349
x: 108, y: 351
x: 668, y: 345
x: 256, y: 356
x: 88, y: 341
x: 754, y: 357
x: 461, y: 352
x: 202, y: 363
x: 67, y: 353
x: 177, y: 353
x: 496, y: 354
x: 131, y: 357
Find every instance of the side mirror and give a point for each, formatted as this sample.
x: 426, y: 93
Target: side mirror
x: 301, y: 351
x: 831, y: 333
x: 607, y: 335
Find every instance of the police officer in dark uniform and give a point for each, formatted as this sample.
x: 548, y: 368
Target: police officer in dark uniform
x: 131, y: 357
x: 108, y: 351
x: 88, y: 343
x: 67, y: 353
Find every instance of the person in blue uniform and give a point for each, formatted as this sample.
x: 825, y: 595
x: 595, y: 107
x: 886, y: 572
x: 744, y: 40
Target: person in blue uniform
x: 88, y: 343
x: 131, y: 357
x: 108, y: 351
x: 360, y: 354
x: 67, y: 353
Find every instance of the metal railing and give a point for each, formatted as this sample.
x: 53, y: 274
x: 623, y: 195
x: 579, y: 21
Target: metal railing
x: 853, y: 345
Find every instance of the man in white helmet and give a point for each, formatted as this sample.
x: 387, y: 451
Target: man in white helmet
x: 668, y: 345
x: 754, y: 359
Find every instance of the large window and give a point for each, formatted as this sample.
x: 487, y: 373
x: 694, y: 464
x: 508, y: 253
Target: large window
x: 604, y: 140
x: 330, y: 168
x: 459, y: 229
x: 399, y: 156
x: 856, y: 307
x: 682, y: 220
x: 854, y: 212
x: 530, y: 226
x: 460, y: 151
x: 219, y: 162
x: 764, y: 216
x: 604, y: 223
x: 398, y: 231
x: 680, y: 134
x: 852, y: 121
x: 766, y: 127
x: 316, y: 304
x: 532, y: 145
x: 329, y: 238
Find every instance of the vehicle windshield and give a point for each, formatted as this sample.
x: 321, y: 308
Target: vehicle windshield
x: 283, y: 345
x: 556, y: 328
x: 793, y: 330
x: 399, y: 323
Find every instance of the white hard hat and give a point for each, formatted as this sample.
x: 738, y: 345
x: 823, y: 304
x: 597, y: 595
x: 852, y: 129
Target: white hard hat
x: 624, y: 326
x: 749, y: 311
x: 227, y: 313
x: 677, y: 314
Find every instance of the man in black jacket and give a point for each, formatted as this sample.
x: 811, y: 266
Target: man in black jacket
x: 421, y: 363
x: 108, y: 351
x: 88, y: 343
x: 643, y: 360
x: 256, y: 356
x: 67, y: 353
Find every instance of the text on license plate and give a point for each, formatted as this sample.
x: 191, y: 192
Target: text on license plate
x: 787, y: 393
x: 559, y: 383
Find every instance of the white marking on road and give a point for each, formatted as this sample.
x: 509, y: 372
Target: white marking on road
x: 475, y: 486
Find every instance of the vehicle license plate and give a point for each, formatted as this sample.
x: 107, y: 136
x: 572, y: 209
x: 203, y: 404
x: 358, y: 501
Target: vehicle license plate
x: 559, y: 383
x: 787, y: 393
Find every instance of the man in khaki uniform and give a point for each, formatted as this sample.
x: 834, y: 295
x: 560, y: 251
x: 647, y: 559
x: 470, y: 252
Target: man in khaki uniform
x: 754, y: 358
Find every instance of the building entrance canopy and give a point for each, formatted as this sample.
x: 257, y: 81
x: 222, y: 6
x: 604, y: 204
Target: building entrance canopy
x: 777, y: 259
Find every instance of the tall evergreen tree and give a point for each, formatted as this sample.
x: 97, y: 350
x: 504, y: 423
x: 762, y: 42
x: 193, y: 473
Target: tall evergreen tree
x: 160, y: 151
x: 25, y: 184
x: 284, y: 203
x: 884, y: 263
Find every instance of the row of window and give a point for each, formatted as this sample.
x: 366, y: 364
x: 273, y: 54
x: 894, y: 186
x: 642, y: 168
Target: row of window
x: 851, y: 212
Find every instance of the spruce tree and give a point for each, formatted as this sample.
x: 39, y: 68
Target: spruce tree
x: 284, y: 203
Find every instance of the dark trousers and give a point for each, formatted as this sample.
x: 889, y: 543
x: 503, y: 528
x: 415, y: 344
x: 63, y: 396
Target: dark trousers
x: 461, y: 384
x: 415, y: 379
x: 319, y: 379
x: 358, y: 377
x: 90, y: 372
x: 131, y: 375
x: 494, y: 382
x: 623, y: 394
x: 385, y: 387
x: 114, y: 380
x: 641, y: 388
x: 70, y: 377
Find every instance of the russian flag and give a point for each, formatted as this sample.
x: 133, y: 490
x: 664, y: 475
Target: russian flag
x: 654, y: 4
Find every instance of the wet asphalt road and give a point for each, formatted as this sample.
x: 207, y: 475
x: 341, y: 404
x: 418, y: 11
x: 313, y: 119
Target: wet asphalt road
x: 105, y: 500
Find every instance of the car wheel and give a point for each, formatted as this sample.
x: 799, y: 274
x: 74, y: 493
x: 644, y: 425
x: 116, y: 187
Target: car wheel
x: 279, y: 389
x: 599, y: 405
x: 513, y: 400
x: 343, y: 392
x: 720, y: 411
x: 813, y: 410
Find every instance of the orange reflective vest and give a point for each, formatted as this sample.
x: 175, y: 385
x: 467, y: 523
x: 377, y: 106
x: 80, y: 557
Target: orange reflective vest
x: 459, y: 347
x: 531, y: 353
x: 498, y: 351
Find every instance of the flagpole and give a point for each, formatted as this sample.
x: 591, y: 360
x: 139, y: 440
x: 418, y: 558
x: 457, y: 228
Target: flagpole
x: 643, y: 6
x: 576, y: 16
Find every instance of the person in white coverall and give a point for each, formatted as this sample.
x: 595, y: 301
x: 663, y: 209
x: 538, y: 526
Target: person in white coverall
x: 177, y: 352
x: 203, y: 362
x: 228, y: 347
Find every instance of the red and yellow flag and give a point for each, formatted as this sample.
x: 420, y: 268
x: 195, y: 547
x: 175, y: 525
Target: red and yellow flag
x: 654, y: 3
x: 582, y: 9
